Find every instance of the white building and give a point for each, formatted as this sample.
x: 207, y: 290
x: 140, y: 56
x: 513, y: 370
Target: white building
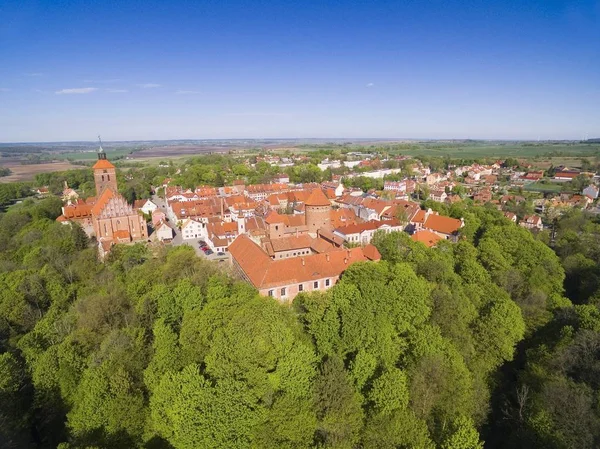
x: 192, y: 229
x: 163, y: 232
x: 148, y: 207
x: 362, y: 233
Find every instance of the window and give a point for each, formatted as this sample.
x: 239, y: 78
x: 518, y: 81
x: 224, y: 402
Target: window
x: 327, y: 282
x: 300, y: 287
x: 283, y: 291
x: 316, y: 284
x: 271, y: 292
x: 108, y: 177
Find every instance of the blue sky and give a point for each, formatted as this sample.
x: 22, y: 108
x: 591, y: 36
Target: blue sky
x: 519, y: 69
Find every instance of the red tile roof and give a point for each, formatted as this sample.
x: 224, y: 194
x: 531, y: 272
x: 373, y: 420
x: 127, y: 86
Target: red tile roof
x: 102, y: 164
x: 122, y: 234
x: 78, y: 211
x: 368, y: 226
x: 291, y: 243
x: 441, y: 224
x: 263, y: 272
x: 317, y: 198
x: 371, y: 252
x: 103, y: 200
x: 426, y: 237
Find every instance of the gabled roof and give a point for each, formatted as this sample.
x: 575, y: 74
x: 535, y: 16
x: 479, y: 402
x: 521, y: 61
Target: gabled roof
x: 317, y: 198
x: 77, y: 211
x: 102, y: 200
x: 442, y: 224
x: 419, y: 217
x: 291, y: 243
x: 426, y: 237
x: 263, y: 272
x: 102, y: 164
x: 368, y: 226
x: 371, y: 252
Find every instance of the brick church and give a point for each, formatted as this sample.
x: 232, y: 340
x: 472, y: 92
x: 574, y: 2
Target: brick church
x: 107, y: 216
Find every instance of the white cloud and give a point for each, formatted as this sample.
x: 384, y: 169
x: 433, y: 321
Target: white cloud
x: 117, y: 91
x: 187, y: 92
x: 148, y: 85
x: 77, y: 90
x: 370, y: 84
x: 5, y: 89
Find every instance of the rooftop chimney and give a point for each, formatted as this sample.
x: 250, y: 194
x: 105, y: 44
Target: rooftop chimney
x: 327, y: 256
x: 302, y: 261
x: 345, y: 261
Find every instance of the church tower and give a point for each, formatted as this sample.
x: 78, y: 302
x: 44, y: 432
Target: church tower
x: 105, y: 175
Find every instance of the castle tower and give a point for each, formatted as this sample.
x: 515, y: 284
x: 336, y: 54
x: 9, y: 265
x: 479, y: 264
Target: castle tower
x: 105, y: 175
x: 317, y: 211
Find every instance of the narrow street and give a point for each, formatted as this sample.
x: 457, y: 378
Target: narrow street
x: 178, y: 238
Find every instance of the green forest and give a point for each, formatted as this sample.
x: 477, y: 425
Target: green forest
x: 490, y: 342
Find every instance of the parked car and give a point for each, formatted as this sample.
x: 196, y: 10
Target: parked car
x: 205, y: 249
x: 220, y: 253
x: 209, y: 252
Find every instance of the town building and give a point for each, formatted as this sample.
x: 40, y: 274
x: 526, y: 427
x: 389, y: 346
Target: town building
x: 285, y: 278
x: 591, y: 191
x: 146, y: 206
x: 362, y: 233
x: 107, y: 216
x: 163, y: 232
x: 532, y: 222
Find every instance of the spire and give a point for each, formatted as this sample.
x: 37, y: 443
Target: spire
x: 101, y: 153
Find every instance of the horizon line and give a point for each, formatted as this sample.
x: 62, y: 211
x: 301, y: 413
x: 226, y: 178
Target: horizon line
x: 380, y: 139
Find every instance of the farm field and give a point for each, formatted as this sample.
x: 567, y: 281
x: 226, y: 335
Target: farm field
x: 90, y: 155
x: 28, y: 172
x: 497, y: 149
x: 544, y: 188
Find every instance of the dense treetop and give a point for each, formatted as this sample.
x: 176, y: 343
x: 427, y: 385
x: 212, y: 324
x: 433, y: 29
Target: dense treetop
x: 429, y: 348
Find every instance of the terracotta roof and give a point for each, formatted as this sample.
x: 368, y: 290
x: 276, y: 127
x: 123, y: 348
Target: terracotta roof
x: 368, y: 226
x: 273, y: 217
x: 419, y: 217
x: 77, y: 211
x: 441, y: 224
x: 330, y: 236
x: 291, y: 243
x: 102, y: 163
x: 317, y: 198
x: 426, y: 237
x: 103, y: 200
x: 122, y: 234
x: 371, y: 252
x: 61, y: 218
x: 320, y: 245
x: 342, y: 217
x: 263, y: 272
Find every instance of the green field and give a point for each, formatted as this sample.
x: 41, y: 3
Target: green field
x: 91, y: 155
x: 497, y: 149
x: 544, y: 188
